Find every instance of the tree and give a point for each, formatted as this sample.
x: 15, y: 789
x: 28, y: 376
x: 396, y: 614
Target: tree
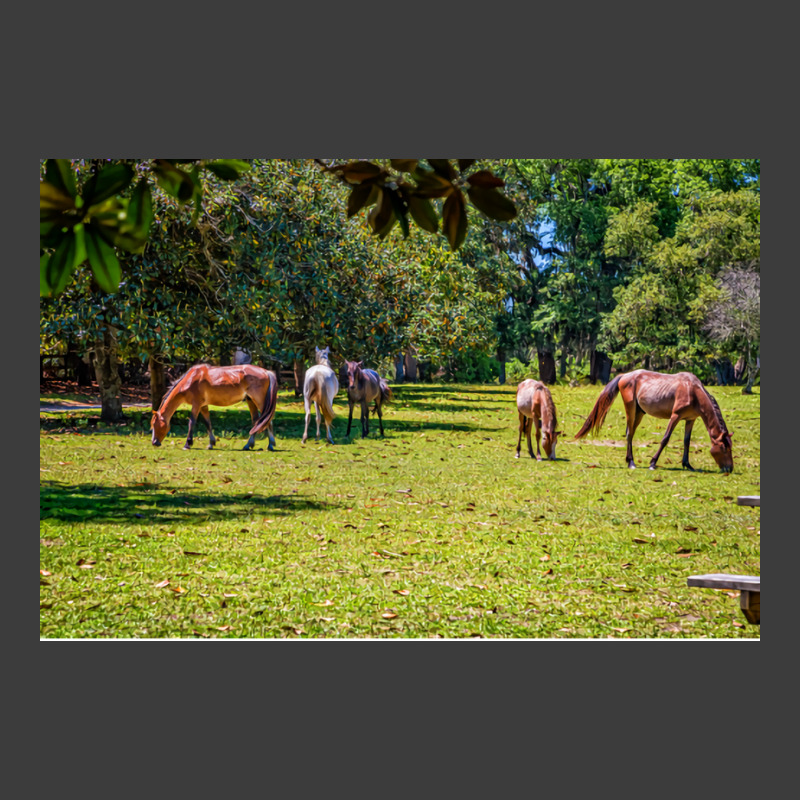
x: 734, y: 317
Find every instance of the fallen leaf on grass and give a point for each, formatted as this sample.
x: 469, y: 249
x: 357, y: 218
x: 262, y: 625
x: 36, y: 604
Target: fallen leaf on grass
x: 548, y: 572
x: 327, y: 602
x: 199, y: 633
x: 403, y: 592
x: 640, y: 541
x: 545, y: 557
x: 44, y: 572
x: 225, y: 628
x: 388, y: 615
x: 162, y: 584
x: 690, y: 528
x: 683, y: 549
x: 178, y: 589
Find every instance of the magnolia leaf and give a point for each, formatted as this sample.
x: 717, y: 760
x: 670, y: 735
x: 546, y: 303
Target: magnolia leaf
x: 429, y: 184
x: 359, y: 196
x: 465, y: 163
x: 404, y: 164
x: 492, y: 203
x: 443, y: 167
x: 65, y: 259
x: 58, y: 172
x: 359, y: 171
x: 400, y: 209
x: 228, y: 169
x: 52, y: 199
x: 103, y: 261
x: 423, y: 213
x: 485, y: 179
x: 140, y: 212
x: 106, y: 183
x: 44, y: 286
x: 454, y: 219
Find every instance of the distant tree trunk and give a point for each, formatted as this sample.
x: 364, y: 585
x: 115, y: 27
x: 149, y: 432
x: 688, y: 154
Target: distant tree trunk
x: 158, y: 383
x: 599, y: 367
x: 501, y: 360
x: 225, y: 358
x: 410, y: 367
x: 106, y: 369
x: 299, y: 368
x: 547, y: 366
x: 399, y: 369
x: 752, y: 369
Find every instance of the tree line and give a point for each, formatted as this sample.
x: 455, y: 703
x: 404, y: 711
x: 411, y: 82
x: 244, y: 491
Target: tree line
x: 554, y: 265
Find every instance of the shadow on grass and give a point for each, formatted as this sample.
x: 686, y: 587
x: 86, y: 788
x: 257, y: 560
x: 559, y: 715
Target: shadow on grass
x: 147, y: 504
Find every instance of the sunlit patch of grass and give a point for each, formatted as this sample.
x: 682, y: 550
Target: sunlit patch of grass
x: 434, y: 531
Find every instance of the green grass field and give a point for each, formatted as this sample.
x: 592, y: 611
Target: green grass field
x: 436, y: 531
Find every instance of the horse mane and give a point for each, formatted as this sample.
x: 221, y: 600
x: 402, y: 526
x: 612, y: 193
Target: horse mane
x: 548, y: 410
x: 716, y: 409
x: 174, y: 385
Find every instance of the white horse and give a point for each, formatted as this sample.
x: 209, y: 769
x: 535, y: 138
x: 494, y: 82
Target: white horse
x: 320, y: 387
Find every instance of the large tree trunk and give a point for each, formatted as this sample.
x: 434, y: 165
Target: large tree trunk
x: 299, y: 369
x: 410, y: 367
x: 106, y: 369
x: 752, y: 369
x: 158, y: 384
x: 599, y: 367
x: 547, y: 366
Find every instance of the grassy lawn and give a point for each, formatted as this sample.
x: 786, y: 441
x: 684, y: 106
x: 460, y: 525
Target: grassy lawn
x: 435, y: 531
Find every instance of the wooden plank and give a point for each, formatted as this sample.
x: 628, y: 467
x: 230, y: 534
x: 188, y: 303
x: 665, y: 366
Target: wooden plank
x: 718, y: 580
x: 750, y: 603
x: 749, y: 500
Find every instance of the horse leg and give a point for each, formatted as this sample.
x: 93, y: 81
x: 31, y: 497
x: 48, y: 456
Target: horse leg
x: 254, y: 412
x: 521, y: 431
x: 528, y: 429
x: 380, y: 416
x: 364, y: 418
x: 316, y: 409
x: 308, y: 414
x: 538, y: 423
x: 206, y: 416
x: 633, y: 415
x: 350, y: 418
x: 687, y: 435
x: 192, y: 423
x: 673, y: 421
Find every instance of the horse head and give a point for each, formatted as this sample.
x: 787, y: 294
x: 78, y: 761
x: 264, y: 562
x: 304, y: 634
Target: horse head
x: 351, y: 373
x: 322, y: 355
x: 549, y: 441
x: 722, y: 452
x: 160, y: 428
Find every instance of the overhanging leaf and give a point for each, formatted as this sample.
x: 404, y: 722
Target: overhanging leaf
x: 485, y: 178
x: 103, y: 261
x: 358, y: 198
x: 423, y: 213
x: 228, y: 169
x: 140, y: 212
x: 58, y: 172
x: 492, y: 203
x: 65, y: 259
x: 404, y: 164
x: 454, y: 219
x: 106, y: 183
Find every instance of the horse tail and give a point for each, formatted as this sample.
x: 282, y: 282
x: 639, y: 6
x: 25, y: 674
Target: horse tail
x: 386, y: 392
x: 597, y: 416
x: 324, y: 401
x: 270, y: 404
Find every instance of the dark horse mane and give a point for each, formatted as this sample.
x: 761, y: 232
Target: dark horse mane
x: 717, y: 411
x: 174, y: 385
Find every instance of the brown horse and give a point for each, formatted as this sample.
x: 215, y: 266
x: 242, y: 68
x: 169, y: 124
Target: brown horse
x: 536, y: 407
x: 202, y: 386
x: 364, y: 386
x: 674, y: 397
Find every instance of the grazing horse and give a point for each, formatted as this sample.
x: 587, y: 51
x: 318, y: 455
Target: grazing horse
x: 320, y: 387
x: 536, y: 407
x: 202, y: 386
x: 674, y: 397
x: 364, y: 386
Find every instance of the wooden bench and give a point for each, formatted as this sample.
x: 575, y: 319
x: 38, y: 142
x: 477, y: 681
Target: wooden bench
x: 748, y: 585
x: 749, y: 500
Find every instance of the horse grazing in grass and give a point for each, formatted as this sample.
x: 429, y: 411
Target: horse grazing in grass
x: 203, y: 386
x: 364, y: 386
x: 320, y: 387
x: 536, y: 408
x: 674, y: 397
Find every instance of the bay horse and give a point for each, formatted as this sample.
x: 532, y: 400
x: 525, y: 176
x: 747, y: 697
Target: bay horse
x: 203, y: 386
x: 536, y: 408
x: 320, y: 387
x: 364, y: 386
x: 674, y: 397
